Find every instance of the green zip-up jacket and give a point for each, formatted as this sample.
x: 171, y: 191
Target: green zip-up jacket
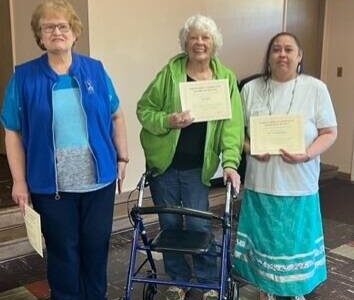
x: 162, y: 98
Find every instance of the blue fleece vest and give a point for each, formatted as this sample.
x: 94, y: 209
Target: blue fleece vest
x: 36, y: 81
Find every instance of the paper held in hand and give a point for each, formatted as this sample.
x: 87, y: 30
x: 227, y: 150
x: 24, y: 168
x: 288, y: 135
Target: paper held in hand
x: 268, y: 134
x: 207, y: 100
x: 33, y: 228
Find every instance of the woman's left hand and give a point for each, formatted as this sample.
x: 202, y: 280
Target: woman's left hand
x: 294, y: 158
x: 232, y: 175
x: 122, y: 165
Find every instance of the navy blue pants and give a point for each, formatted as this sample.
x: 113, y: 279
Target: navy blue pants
x: 77, y: 230
x: 184, y: 188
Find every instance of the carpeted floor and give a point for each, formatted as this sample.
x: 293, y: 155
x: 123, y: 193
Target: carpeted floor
x: 337, y: 200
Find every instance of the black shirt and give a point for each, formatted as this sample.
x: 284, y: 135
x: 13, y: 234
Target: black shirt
x: 190, y: 147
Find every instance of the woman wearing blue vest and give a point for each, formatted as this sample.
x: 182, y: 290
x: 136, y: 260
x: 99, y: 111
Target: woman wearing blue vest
x: 66, y: 143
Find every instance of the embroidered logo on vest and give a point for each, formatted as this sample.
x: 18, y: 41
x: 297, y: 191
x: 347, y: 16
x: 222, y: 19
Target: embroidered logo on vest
x: 89, y: 87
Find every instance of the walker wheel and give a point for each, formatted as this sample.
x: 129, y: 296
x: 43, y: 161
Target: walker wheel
x: 149, y: 291
x: 232, y: 290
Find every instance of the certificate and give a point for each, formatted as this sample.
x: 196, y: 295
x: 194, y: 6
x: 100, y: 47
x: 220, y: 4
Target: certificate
x: 33, y: 228
x: 271, y: 133
x: 206, y: 100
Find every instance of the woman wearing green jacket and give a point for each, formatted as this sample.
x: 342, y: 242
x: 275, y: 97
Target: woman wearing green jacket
x: 181, y: 155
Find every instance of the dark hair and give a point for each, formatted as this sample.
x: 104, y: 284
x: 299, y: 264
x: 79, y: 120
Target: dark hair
x: 266, y: 70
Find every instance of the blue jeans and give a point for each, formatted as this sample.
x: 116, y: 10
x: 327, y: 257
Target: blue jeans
x: 184, y: 188
x: 77, y: 230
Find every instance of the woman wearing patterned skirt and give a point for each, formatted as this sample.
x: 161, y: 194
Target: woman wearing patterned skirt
x: 280, y: 246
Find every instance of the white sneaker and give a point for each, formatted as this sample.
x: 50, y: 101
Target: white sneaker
x: 299, y: 298
x: 175, y: 293
x: 211, y: 295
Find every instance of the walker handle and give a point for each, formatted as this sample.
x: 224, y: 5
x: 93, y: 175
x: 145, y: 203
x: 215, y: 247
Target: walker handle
x: 228, y: 197
x: 141, y: 185
x: 231, y: 193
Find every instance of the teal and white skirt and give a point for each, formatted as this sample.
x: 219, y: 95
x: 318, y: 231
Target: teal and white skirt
x: 280, y: 247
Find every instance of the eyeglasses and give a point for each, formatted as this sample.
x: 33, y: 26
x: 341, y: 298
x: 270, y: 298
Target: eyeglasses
x: 50, y: 28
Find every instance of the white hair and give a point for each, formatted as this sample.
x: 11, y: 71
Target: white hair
x: 203, y: 23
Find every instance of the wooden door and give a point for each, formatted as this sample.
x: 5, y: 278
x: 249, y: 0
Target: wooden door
x: 306, y: 20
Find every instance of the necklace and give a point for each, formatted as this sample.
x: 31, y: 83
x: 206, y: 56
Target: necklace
x: 207, y: 75
x: 270, y: 92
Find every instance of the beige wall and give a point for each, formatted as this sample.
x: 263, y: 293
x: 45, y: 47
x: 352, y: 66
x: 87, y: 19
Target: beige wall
x: 138, y: 37
x: 338, y: 51
x: 25, y: 47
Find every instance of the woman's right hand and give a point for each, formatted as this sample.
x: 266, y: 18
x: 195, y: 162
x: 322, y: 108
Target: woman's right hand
x: 180, y: 120
x: 20, y: 194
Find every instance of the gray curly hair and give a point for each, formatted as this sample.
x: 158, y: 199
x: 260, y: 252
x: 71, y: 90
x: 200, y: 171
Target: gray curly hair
x: 203, y: 23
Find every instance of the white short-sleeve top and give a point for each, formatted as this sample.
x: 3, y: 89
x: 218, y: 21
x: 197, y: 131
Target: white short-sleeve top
x: 306, y: 96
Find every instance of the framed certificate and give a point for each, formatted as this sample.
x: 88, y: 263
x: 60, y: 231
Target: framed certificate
x: 269, y: 134
x: 206, y: 100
